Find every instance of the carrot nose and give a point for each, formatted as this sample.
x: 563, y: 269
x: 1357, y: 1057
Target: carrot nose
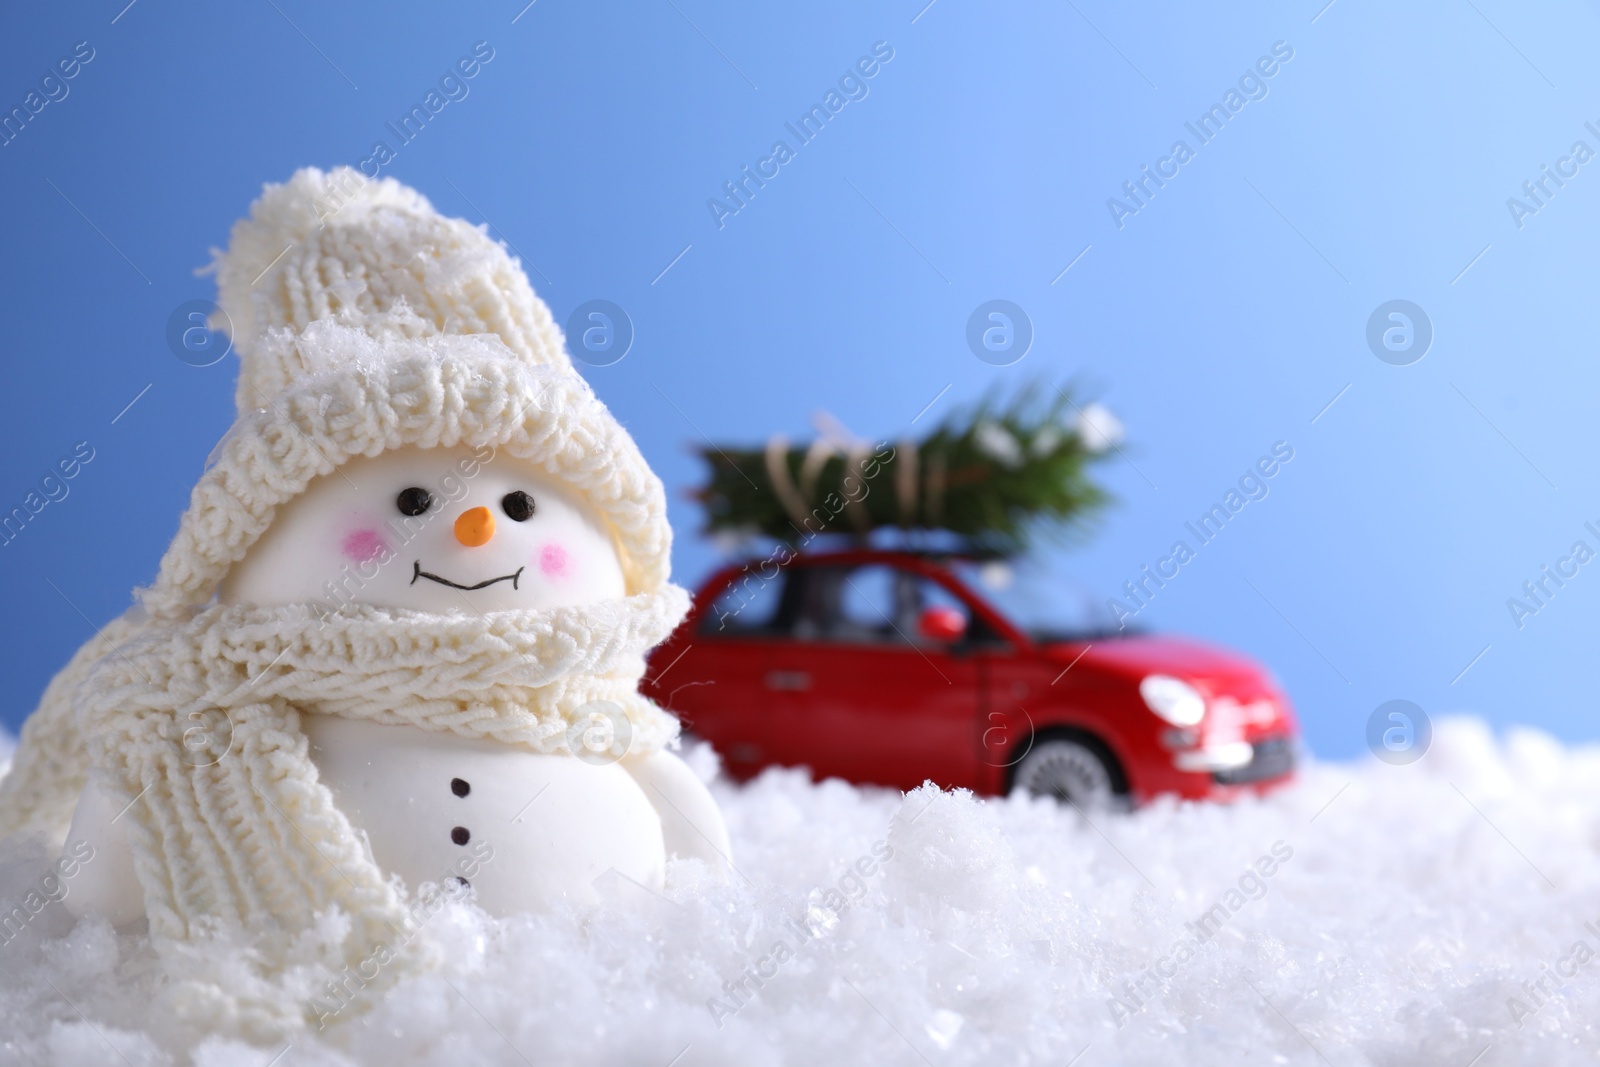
x: 474, y: 527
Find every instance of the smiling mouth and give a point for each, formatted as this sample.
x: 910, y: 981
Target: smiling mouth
x: 418, y: 572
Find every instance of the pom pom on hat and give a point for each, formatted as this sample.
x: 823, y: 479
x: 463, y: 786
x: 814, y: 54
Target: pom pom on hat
x: 373, y: 255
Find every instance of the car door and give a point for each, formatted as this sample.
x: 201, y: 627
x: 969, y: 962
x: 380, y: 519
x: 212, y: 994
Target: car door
x: 858, y: 693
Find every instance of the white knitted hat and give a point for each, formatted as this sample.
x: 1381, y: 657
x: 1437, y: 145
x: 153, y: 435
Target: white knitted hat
x: 374, y: 255
x: 384, y: 325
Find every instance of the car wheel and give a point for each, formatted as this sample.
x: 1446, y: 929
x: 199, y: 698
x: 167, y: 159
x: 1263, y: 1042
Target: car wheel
x: 1071, y: 770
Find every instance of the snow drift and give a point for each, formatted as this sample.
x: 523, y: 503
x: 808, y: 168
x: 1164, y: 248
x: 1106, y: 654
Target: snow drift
x: 1369, y: 914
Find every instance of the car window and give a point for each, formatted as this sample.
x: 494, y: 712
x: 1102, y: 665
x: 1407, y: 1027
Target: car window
x: 1038, y: 598
x: 935, y: 595
x: 873, y: 603
x: 749, y: 606
x: 811, y: 601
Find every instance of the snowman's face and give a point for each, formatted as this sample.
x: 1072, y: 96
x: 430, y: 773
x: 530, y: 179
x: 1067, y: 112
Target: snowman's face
x: 437, y: 530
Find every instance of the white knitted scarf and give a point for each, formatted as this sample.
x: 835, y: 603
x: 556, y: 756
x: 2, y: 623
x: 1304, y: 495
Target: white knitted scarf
x: 195, y: 726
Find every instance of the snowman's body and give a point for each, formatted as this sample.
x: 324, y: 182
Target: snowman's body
x: 525, y: 830
x: 526, y: 824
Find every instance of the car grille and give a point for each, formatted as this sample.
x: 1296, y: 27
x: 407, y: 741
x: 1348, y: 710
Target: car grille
x: 1273, y: 757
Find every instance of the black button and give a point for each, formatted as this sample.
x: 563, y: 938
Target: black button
x: 460, y: 787
x: 461, y: 835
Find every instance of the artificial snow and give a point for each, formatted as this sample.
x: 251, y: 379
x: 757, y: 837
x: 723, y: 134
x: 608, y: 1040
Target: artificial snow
x: 1369, y: 914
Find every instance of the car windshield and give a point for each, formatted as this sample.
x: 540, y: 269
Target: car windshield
x: 1042, y: 602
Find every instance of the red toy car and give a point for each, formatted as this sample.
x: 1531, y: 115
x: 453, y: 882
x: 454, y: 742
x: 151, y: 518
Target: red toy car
x: 886, y: 667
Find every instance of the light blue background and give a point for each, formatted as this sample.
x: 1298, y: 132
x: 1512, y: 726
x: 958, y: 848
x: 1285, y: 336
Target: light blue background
x: 1215, y: 323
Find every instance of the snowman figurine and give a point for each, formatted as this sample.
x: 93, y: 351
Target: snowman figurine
x: 397, y: 640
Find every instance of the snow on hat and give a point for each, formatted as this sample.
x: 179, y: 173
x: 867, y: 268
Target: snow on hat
x: 374, y: 255
x: 382, y: 325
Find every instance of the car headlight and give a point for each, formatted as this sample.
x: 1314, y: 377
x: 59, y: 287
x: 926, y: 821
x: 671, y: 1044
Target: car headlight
x: 1174, y: 699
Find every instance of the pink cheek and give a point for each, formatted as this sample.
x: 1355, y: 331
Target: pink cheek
x: 554, y: 561
x: 363, y: 546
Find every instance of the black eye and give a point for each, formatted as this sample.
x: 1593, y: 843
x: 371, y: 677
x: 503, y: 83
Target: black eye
x: 518, y: 506
x: 413, y: 501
